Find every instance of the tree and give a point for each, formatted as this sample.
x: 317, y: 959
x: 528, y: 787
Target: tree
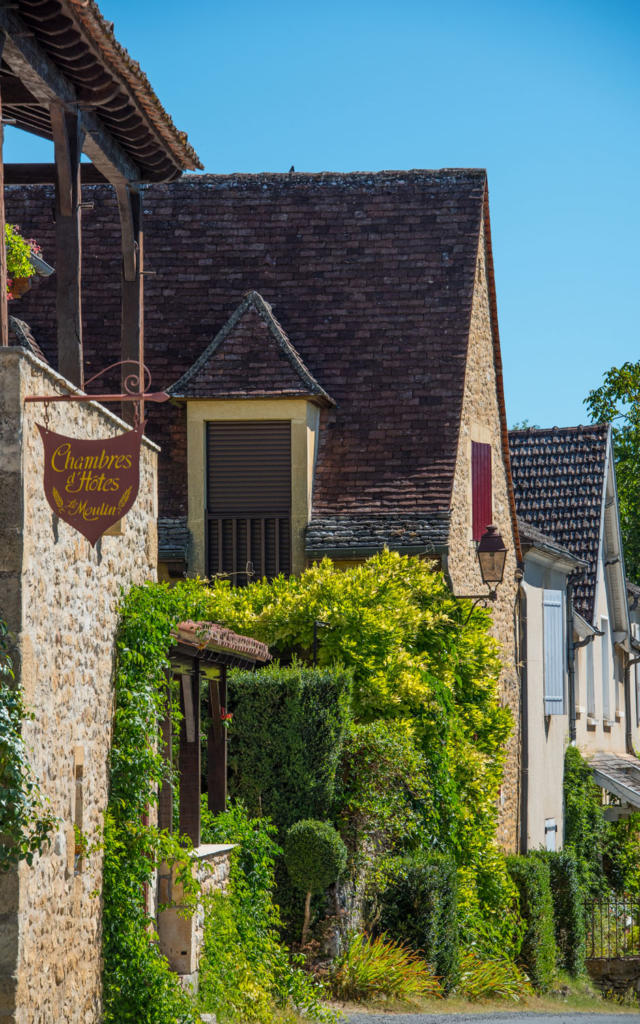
x: 617, y: 401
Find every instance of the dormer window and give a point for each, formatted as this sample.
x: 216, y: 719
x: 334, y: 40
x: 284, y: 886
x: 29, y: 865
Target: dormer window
x: 248, y: 466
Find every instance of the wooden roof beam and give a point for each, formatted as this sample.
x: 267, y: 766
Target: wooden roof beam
x: 46, y: 82
x: 45, y: 174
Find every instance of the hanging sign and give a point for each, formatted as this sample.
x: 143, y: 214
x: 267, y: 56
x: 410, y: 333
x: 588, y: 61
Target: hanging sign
x: 91, y: 484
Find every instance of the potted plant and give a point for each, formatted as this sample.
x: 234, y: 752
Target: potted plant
x: 24, y: 259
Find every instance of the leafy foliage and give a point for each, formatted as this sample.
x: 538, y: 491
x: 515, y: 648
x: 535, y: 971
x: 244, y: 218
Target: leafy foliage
x: 489, y: 919
x: 418, y: 906
x: 416, y: 655
x: 381, y: 967
x: 246, y: 971
x: 568, y: 911
x: 304, y: 712
x: 617, y: 401
x: 19, y: 252
x: 138, y: 985
x: 383, y: 799
x: 25, y: 822
x: 137, y: 982
x: 491, y: 979
x: 585, y: 827
x: 531, y: 875
x: 314, y: 854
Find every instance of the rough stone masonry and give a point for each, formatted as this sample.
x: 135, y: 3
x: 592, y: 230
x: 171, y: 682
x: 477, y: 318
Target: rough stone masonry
x: 60, y: 599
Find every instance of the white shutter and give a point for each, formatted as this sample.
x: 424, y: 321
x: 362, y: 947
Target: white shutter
x: 606, y: 682
x: 553, y: 653
x: 635, y: 632
x: 591, y: 689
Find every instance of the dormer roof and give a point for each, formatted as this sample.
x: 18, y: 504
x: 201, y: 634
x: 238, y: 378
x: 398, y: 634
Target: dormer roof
x: 250, y: 357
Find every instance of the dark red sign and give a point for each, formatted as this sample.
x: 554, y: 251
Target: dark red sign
x: 91, y: 484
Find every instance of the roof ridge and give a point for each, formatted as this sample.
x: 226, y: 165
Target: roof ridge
x: 254, y: 299
x: 530, y: 431
x: 415, y: 172
x: 102, y: 35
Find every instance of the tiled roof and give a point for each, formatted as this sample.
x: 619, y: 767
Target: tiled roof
x: 173, y: 539
x: 20, y: 334
x: 81, y: 43
x: 339, y: 535
x: 558, y: 479
x: 250, y: 357
x: 531, y: 537
x: 213, y: 637
x: 371, y: 274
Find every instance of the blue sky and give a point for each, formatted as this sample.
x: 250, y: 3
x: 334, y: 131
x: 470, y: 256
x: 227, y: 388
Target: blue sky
x: 544, y: 95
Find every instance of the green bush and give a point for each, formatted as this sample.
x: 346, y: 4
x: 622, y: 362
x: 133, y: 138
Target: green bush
x: 418, y: 906
x: 381, y: 967
x: 568, y: 911
x: 315, y: 857
x: 383, y: 799
x: 286, y: 739
x: 246, y: 972
x: 585, y: 826
x: 532, y: 878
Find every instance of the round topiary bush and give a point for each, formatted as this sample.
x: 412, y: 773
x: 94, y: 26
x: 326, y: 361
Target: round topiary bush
x: 315, y: 857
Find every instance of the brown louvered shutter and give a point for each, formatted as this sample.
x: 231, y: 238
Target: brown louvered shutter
x: 249, y: 498
x: 480, y: 488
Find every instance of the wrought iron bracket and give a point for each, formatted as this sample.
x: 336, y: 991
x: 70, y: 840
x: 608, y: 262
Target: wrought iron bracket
x: 139, y: 381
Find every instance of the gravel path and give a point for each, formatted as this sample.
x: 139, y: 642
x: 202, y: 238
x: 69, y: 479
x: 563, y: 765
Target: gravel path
x: 510, y: 1017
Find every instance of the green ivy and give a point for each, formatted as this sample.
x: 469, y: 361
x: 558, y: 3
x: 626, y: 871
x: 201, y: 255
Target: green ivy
x: 25, y: 821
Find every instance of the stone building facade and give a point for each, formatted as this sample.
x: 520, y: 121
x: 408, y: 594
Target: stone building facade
x: 60, y: 598
x: 357, y: 308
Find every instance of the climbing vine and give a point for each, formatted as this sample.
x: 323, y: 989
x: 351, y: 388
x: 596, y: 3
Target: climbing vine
x: 25, y: 820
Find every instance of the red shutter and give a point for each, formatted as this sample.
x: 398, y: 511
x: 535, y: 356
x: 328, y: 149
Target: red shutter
x: 481, y: 487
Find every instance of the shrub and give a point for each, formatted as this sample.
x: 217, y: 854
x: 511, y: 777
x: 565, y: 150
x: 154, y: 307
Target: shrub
x: 538, y: 954
x: 383, y: 801
x: 315, y: 857
x: 491, y: 979
x: 381, y: 967
x: 489, y: 920
x: 417, y: 655
x: 568, y: 911
x: 585, y: 826
x: 246, y: 972
x: 286, y: 739
x: 418, y: 906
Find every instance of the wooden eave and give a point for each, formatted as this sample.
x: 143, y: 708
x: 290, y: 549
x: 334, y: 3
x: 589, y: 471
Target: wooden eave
x: 63, y: 52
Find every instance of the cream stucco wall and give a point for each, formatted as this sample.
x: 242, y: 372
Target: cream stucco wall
x: 60, y: 598
x: 547, y: 735
x: 593, y: 731
x: 480, y: 421
x: 304, y: 416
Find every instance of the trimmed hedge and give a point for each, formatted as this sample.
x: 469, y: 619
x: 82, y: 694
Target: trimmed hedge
x: 568, y: 911
x: 418, y: 906
x: 314, y: 854
x: 538, y: 954
x: 286, y: 740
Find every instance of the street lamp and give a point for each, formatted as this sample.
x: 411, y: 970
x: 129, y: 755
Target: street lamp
x: 492, y: 555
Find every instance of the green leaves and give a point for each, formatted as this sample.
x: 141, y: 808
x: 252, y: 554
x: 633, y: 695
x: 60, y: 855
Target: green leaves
x: 25, y: 822
x: 617, y: 401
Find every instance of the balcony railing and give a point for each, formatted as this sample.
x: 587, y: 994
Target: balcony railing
x: 248, y: 547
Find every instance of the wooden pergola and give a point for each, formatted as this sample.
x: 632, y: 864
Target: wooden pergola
x: 202, y: 651
x: 64, y: 77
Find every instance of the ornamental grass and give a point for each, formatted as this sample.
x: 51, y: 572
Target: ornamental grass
x: 492, y: 979
x: 381, y: 967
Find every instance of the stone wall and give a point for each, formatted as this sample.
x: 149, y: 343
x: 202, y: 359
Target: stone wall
x: 60, y: 597
x: 480, y: 422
